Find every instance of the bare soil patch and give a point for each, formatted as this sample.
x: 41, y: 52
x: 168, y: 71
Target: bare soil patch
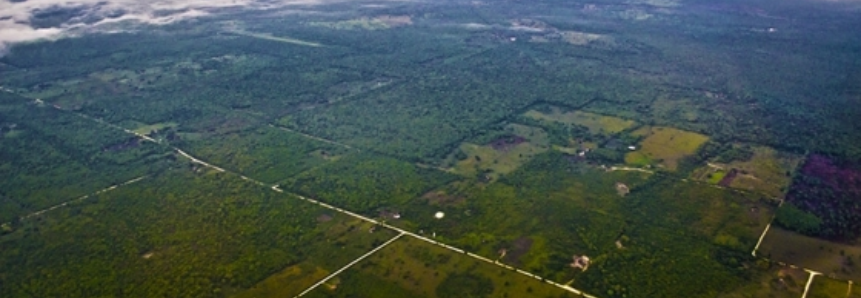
x: 506, y: 143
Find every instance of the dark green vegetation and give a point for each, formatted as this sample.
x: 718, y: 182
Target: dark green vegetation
x: 182, y: 234
x: 824, y: 287
x: 481, y: 112
x: 825, y: 200
x: 790, y: 217
x: 366, y: 183
x: 50, y: 157
x: 267, y: 154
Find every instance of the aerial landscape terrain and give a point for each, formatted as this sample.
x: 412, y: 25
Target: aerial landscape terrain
x: 430, y: 149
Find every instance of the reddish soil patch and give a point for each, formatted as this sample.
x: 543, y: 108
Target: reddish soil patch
x: 389, y: 214
x: 517, y: 249
x: 506, y: 143
x: 442, y: 199
x: 131, y: 143
x: 727, y: 180
x: 324, y: 218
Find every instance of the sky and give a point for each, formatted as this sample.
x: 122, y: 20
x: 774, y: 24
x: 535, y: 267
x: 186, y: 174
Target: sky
x: 29, y: 20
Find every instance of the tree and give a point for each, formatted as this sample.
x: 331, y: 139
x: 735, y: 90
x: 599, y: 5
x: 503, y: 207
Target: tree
x: 791, y: 217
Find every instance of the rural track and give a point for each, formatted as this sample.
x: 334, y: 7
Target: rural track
x: 78, y: 199
x: 354, y: 262
x: 358, y: 216
x: 340, y: 210
x: 314, y: 137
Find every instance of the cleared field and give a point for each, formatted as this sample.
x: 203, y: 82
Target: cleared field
x: 502, y: 156
x: 768, y: 171
x: 808, y: 252
x: 288, y: 283
x: 664, y: 146
x: 824, y: 287
x: 147, y: 128
x: 773, y: 281
x: 414, y: 268
x: 597, y: 124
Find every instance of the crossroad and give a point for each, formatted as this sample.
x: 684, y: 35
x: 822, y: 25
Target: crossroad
x: 813, y: 275
x: 432, y: 241
x: 401, y: 232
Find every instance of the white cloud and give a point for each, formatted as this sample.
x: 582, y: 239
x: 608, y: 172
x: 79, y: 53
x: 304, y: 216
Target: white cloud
x: 29, y: 20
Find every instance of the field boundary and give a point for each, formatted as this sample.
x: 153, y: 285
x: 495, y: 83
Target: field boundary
x: 351, y: 264
x: 340, y: 210
x: 78, y: 199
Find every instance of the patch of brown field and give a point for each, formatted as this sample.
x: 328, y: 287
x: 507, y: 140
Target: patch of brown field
x: 219, y: 126
x: 324, y: 218
x: 506, y: 143
x: 395, y: 21
x: 516, y: 249
x: 727, y: 180
x: 441, y: 198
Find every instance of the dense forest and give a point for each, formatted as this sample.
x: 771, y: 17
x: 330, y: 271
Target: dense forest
x: 823, y: 200
x: 168, y: 159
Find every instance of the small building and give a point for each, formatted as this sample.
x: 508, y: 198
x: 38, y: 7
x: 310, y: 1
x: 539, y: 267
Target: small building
x: 581, y: 262
x: 622, y: 189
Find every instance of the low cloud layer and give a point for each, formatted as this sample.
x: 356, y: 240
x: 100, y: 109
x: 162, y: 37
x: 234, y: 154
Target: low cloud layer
x: 29, y: 20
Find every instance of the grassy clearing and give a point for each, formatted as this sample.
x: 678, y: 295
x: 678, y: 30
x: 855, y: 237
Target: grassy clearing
x: 288, y: 283
x: 664, y: 146
x: 597, y: 124
x: 147, y: 128
x: 493, y: 162
x: 773, y: 281
x: 808, y: 252
x: 824, y: 287
x: 767, y: 172
x: 414, y: 268
x: 716, y: 177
